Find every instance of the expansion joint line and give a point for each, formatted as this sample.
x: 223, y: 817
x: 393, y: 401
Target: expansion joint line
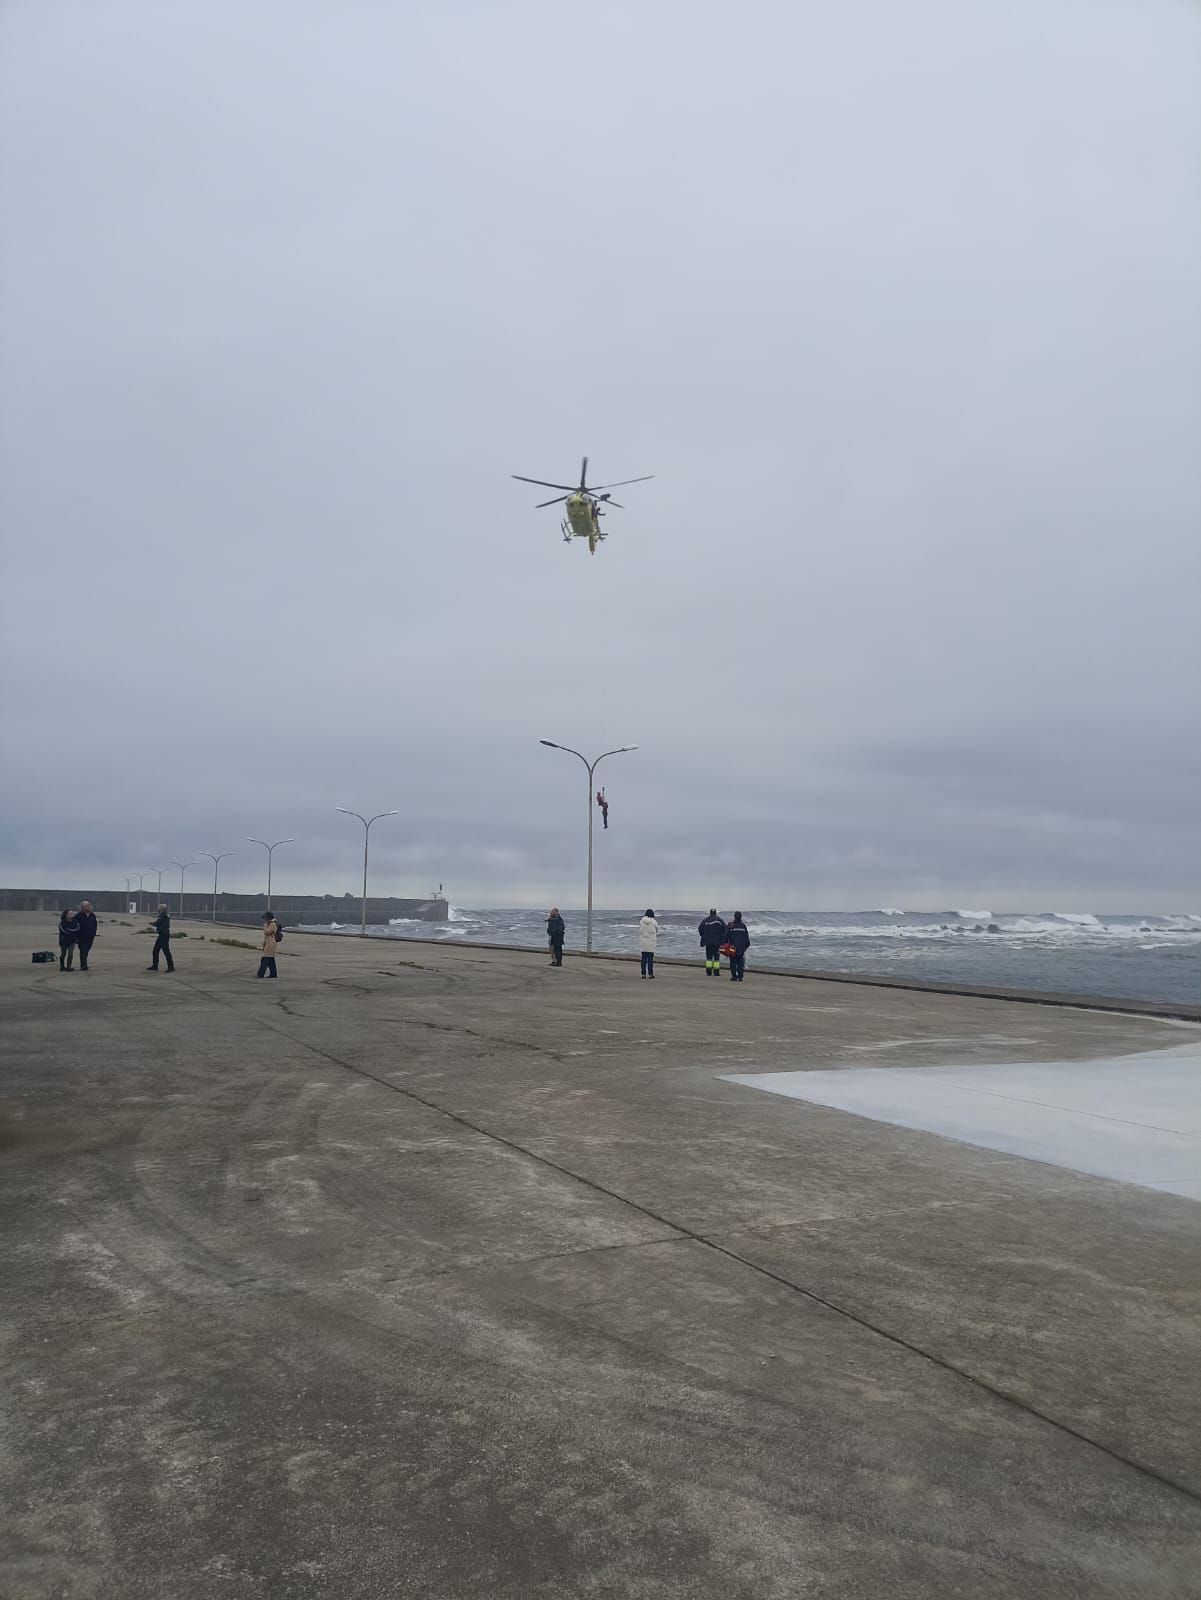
x: 1016, y: 1401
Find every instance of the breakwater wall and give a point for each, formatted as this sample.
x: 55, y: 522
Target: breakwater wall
x: 242, y: 908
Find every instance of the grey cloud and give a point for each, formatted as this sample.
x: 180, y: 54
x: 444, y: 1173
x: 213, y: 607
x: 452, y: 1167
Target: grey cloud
x: 901, y: 305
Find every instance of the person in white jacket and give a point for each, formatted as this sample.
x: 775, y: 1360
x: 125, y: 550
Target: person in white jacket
x: 648, y: 938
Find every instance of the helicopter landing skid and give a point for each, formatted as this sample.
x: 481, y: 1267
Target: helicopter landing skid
x: 565, y: 529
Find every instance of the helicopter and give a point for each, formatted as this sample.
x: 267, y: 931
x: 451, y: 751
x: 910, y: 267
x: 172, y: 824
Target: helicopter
x: 584, y: 507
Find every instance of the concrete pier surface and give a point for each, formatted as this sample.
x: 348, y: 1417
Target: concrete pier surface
x: 432, y: 1271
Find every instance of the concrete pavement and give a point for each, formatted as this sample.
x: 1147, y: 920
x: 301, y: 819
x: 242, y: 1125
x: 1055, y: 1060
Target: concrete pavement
x: 431, y: 1271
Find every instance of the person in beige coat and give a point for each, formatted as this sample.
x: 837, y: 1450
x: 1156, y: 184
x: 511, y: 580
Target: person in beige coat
x: 270, y: 946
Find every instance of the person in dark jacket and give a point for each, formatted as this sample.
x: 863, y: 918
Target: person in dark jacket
x: 713, y: 935
x: 87, y: 933
x: 68, y: 938
x: 162, y: 943
x: 738, y: 935
x: 556, y: 932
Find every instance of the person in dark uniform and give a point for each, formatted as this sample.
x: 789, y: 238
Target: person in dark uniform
x: 68, y: 938
x: 87, y: 933
x: 713, y: 935
x: 556, y: 932
x: 739, y: 936
x: 162, y: 943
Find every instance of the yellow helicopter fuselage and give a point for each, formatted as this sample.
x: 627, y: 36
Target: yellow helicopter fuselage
x: 582, y: 520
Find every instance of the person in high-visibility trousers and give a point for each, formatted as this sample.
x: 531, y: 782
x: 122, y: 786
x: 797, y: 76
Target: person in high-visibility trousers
x: 713, y: 935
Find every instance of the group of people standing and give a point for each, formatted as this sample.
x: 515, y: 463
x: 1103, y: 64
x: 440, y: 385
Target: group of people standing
x: 76, y: 931
x: 730, y: 939
x: 719, y: 938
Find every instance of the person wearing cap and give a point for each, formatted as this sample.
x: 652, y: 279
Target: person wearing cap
x: 713, y: 935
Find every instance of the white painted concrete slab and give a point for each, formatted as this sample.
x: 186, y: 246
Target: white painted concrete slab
x: 1135, y: 1118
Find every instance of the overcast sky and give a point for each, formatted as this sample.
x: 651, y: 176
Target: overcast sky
x: 900, y: 300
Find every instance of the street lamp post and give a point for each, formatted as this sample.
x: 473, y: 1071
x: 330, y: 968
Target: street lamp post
x: 366, y: 821
x: 216, y: 860
x: 183, y: 867
x: 270, y: 849
x: 130, y: 879
x: 141, y: 877
x: 591, y: 767
x: 159, y: 891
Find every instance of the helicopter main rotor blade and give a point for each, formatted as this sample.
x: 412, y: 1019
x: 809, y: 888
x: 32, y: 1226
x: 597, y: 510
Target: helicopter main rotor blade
x: 609, y: 502
x: 584, y: 472
x: 622, y: 483
x: 542, y: 483
x: 558, y: 501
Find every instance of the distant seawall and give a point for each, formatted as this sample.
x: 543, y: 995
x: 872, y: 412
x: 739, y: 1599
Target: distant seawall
x: 244, y: 908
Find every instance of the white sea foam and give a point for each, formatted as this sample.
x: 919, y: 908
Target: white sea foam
x: 1081, y: 919
x: 889, y: 911
x: 1050, y: 930
x: 975, y: 916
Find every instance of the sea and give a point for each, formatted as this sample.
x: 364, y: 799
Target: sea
x: 1152, y: 957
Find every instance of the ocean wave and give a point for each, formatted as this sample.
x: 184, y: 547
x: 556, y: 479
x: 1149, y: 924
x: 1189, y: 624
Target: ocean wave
x: 975, y: 916
x: 889, y: 911
x: 1046, y: 930
x: 1079, y: 919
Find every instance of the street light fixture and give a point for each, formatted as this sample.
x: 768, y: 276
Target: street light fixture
x: 183, y: 867
x: 160, y: 871
x: 216, y: 860
x: 130, y: 879
x: 141, y: 877
x: 366, y: 821
x: 591, y: 768
x: 270, y: 849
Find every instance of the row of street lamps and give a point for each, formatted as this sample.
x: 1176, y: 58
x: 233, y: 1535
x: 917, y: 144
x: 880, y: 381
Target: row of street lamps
x: 139, y: 877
